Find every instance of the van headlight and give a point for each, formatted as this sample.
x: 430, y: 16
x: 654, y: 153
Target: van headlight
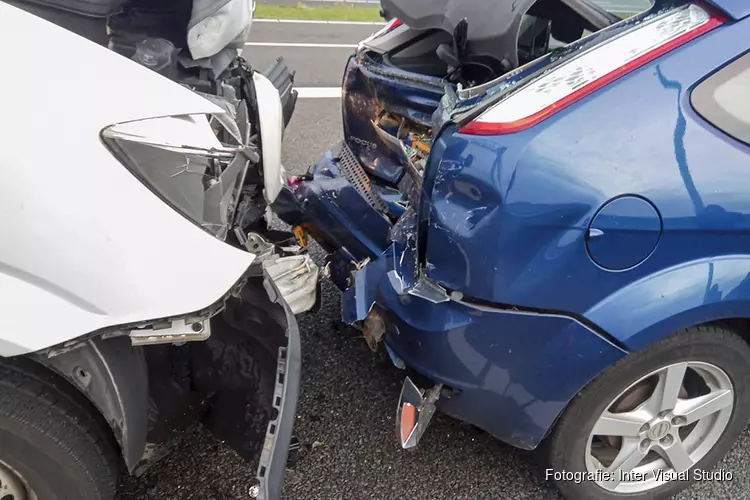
x: 181, y: 159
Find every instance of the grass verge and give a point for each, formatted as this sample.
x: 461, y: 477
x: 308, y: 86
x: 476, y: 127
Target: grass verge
x: 306, y: 12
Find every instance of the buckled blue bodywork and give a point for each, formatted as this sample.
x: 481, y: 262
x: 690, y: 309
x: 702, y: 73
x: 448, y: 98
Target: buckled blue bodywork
x: 533, y: 261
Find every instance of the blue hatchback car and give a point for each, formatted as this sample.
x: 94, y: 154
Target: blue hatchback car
x: 539, y: 210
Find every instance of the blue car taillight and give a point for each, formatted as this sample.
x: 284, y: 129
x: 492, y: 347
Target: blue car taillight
x: 390, y: 26
x: 592, y: 70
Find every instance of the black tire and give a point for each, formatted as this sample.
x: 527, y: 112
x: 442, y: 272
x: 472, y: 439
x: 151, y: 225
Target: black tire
x: 564, y: 450
x: 52, y: 436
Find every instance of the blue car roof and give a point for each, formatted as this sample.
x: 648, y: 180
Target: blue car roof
x: 736, y: 9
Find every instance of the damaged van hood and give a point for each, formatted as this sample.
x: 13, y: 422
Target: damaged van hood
x: 88, y: 244
x: 97, y: 85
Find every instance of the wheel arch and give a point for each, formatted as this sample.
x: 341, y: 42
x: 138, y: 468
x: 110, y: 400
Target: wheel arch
x: 674, y: 299
x: 112, y: 375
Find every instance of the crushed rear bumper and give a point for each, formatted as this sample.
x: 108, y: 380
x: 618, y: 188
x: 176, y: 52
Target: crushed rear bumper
x: 507, y: 371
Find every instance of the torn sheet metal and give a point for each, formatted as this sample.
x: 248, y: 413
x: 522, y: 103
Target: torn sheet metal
x: 398, y: 264
x: 402, y: 155
x: 404, y: 273
x: 406, y: 277
x: 359, y: 298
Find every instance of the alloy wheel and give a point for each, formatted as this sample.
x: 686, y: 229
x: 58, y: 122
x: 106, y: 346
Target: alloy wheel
x: 658, y: 428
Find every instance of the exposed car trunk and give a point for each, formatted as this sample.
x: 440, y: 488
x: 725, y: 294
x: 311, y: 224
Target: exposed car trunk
x: 375, y: 190
x: 490, y: 37
x: 405, y: 81
x: 399, y: 206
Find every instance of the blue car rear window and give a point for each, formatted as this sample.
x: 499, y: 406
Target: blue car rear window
x: 624, y: 8
x: 723, y: 99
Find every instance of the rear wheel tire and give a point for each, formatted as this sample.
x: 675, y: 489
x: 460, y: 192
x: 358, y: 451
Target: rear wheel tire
x: 54, y: 444
x: 649, y: 429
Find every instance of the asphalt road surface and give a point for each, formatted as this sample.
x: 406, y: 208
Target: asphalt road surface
x: 347, y: 405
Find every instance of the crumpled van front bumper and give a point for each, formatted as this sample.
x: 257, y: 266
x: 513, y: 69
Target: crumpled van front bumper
x: 273, y: 459
x: 508, y: 371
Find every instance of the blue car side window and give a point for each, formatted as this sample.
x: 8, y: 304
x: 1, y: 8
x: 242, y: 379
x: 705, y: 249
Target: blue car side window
x: 723, y: 99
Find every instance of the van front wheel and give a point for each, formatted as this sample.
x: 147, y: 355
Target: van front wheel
x: 54, y: 445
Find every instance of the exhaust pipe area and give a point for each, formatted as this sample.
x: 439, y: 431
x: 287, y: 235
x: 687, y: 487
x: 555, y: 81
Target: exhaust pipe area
x: 373, y: 328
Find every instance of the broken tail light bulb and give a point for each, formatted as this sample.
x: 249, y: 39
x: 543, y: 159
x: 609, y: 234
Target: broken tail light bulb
x: 393, y: 24
x: 592, y: 70
x: 390, y: 26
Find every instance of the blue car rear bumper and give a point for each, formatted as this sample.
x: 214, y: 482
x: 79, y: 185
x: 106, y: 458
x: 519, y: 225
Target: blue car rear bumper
x: 512, y: 372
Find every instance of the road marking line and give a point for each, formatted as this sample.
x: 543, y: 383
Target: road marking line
x: 304, y: 45
x: 318, y: 92
x: 315, y: 21
x: 359, y: 23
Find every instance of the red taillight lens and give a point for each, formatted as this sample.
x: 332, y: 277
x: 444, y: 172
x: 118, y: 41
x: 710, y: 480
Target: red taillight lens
x: 592, y: 70
x: 392, y: 25
x: 395, y: 23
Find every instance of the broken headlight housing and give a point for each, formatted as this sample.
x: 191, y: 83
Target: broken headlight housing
x: 181, y: 159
